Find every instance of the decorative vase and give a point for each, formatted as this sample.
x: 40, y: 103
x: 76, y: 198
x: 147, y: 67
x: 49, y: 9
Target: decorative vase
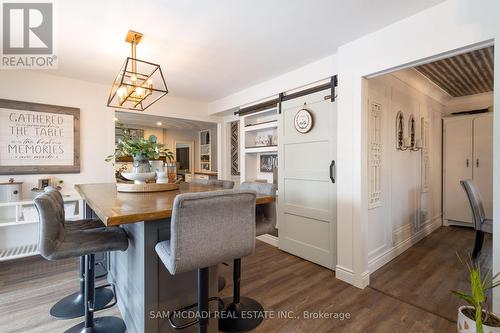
x: 161, y: 177
x: 467, y: 325
x: 156, y: 165
x: 141, y: 164
x: 171, y: 172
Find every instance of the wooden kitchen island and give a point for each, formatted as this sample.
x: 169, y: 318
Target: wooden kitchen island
x: 145, y: 289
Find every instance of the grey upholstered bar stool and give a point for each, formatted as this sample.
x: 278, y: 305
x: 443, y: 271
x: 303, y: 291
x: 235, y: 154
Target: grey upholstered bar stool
x: 225, y: 184
x: 56, y: 241
x: 72, y: 306
x: 481, y: 223
x: 265, y: 222
x: 208, y: 228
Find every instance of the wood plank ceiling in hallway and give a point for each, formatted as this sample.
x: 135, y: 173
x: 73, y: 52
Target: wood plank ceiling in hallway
x: 464, y: 74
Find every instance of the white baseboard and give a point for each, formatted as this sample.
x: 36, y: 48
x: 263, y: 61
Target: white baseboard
x: 391, y: 253
x: 269, y: 239
x: 347, y: 275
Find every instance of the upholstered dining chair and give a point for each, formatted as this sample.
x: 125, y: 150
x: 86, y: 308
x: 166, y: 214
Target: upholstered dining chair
x: 481, y: 223
x: 224, y: 184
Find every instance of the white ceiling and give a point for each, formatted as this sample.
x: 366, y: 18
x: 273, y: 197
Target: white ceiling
x: 209, y: 49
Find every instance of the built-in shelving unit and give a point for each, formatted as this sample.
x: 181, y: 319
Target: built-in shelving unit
x: 19, y: 226
x: 205, y: 150
x: 258, y: 137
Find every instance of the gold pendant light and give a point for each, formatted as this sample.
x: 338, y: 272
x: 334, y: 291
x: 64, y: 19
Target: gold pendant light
x: 139, y: 83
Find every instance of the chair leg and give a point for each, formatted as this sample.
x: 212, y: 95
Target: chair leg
x: 203, y: 300
x: 101, y: 324
x: 478, y: 243
x: 242, y: 313
x: 221, y: 283
x: 72, y: 306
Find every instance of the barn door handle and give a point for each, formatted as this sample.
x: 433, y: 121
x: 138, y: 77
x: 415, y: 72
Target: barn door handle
x: 477, y: 163
x: 332, y: 171
x: 467, y: 163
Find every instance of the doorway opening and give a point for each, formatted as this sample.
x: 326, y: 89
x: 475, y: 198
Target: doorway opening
x: 191, y: 142
x: 429, y: 128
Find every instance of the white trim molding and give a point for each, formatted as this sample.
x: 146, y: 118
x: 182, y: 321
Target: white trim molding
x: 347, y: 275
x: 269, y: 239
x: 425, y: 161
x: 374, y: 155
x: 406, y: 242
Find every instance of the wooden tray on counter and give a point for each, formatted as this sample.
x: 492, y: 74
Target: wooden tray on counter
x: 149, y: 187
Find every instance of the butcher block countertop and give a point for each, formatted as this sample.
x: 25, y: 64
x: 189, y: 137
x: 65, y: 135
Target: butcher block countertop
x: 116, y: 208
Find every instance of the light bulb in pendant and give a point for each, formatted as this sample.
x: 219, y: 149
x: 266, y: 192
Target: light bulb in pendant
x: 122, y: 92
x: 139, y: 92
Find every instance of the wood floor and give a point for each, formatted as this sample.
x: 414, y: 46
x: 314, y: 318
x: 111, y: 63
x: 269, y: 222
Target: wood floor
x: 426, y: 272
x: 396, y: 301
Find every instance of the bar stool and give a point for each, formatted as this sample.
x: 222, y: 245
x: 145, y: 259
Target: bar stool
x: 265, y: 222
x: 72, y: 306
x: 224, y: 184
x: 206, y: 229
x: 56, y: 241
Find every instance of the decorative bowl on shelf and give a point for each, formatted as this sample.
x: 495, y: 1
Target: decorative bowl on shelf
x: 138, y: 177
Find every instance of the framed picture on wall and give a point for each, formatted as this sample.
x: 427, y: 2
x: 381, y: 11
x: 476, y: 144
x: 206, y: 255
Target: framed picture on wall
x: 38, y: 138
x: 268, y: 162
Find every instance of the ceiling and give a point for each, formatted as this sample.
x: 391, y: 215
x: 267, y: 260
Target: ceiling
x: 209, y: 49
x: 464, y: 74
x: 144, y: 120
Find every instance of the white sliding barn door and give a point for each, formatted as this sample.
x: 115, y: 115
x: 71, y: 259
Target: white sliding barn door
x: 307, y: 194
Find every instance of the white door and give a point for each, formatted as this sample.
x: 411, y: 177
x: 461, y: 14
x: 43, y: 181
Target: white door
x: 306, y: 188
x: 457, y: 166
x: 483, y: 161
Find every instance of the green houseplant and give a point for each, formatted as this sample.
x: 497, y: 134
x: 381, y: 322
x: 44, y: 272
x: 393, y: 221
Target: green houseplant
x: 475, y: 317
x: 142, y: 151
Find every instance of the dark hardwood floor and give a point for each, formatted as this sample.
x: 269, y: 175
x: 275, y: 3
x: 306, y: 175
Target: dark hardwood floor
x: 281, y: 282
x: 425, y: 273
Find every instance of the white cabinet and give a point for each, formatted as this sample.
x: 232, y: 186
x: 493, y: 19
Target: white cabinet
x: 468, y: 154
x: 19, y: 226
x: 201, y: 177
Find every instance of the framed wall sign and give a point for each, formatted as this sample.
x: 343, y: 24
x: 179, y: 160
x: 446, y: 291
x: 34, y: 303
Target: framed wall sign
x: 38, y: 138
x: 268, y: 162
x: 303, y: 121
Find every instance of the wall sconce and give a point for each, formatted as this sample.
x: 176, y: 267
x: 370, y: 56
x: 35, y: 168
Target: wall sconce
x: 406, y: 143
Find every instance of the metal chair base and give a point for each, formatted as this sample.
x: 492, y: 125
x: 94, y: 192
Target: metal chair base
x: 101, y: 325
x: 72, y: 306
x: 232, y: 319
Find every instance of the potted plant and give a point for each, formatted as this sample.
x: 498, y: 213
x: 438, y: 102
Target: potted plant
x: 475, y: 317
x: 142, y: 151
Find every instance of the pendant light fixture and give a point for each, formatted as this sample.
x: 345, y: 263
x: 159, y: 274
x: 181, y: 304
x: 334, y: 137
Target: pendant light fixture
x: 139, y: 83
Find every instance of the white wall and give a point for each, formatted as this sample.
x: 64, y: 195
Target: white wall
x: 407, y: 212
x: 305, y: 75
x: 96, y: 120
x: 451, y: 25
x: 468, y: 103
